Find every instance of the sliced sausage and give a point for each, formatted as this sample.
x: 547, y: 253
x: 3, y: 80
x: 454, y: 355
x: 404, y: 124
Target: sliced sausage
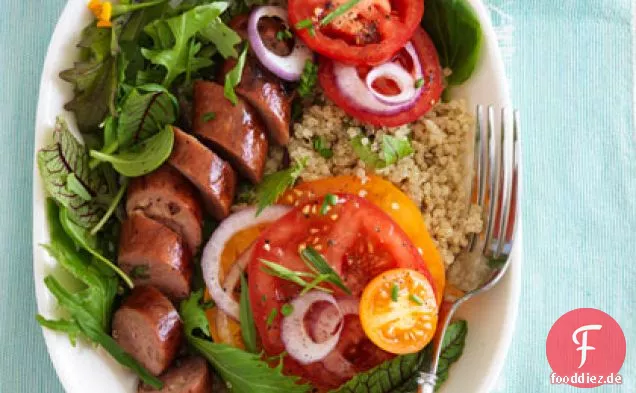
x: 268, y: 95
x: 166, y: 196
x: 190, y: 375
x: 215, y: 178
x: 234, y: 130
x: 153, y: 254
x: 148, y: 327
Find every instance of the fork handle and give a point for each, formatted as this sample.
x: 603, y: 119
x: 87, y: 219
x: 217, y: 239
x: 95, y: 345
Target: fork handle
x: 428, y: 378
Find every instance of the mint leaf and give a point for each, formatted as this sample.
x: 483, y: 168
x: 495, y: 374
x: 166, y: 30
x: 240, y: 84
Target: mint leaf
x: 243, y: 372
x: 67, y: 158
x: 142, y: 158
x: 233, y: 78
x: 172, y: 39
x: 275, y: 184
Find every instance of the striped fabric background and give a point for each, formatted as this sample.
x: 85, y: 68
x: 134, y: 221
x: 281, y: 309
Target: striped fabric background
x: 571, y: 65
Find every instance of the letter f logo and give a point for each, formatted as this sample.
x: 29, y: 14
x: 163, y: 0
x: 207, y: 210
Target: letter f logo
x: 583, y: 344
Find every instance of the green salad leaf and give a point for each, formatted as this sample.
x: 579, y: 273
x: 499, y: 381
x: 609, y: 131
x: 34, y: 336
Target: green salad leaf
x: 94, y: 78
x: 68, y: 179
x: 400, y: 374
x: 172, y: 37
x: 233, y: 78
x: 393, y: 149
x: 142, y: 158
x: 145, y: 111
x: 275, y: 184
x: 248, y: 328
x: 455, y: 29
x: 89, y: 309
x: 242, y: 371
x: 83, y: 238
x: 224, y: 38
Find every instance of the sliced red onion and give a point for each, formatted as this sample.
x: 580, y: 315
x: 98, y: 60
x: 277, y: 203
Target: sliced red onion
x: 211, y: 257
x: 397, y: 74
x: 297, y: 340
x: 365, y: 98
x: 290, y: 67
x: 326, y: 320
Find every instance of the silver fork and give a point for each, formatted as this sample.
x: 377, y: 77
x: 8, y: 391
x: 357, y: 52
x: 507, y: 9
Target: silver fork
x: 496, y: 189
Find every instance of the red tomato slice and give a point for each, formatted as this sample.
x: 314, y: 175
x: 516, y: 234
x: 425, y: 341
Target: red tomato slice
x: 432, y: 88
x: 369, y: 33
x: 360, y: 242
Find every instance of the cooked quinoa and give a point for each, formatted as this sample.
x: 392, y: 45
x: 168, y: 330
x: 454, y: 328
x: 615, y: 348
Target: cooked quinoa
x: 434, y: 176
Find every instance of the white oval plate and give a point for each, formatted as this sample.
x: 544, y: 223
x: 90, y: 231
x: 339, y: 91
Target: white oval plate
x: 491, y: 317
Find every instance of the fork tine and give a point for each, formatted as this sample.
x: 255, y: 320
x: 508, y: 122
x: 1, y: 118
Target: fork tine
x: 507, y: 154
x: 515, y: 174
x: 479, y: 164
x: 493, y: 178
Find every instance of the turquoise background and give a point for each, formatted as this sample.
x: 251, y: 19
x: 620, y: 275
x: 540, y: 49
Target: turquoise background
x: 571, y: 66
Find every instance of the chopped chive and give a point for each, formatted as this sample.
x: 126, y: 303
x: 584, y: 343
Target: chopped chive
x: 264, y: 298
x: 416, y: 299
x: 287, y: 309
x: 208, y: 117
x: 395, y: 291
x: 322, y: 147
x: 272, y: 315
x: 330, y: 200
x: 304, y: 24
x: 339, y: 11
x: 419, y: 83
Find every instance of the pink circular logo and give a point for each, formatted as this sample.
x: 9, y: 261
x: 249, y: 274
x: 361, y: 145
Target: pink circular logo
x: 586, y: 348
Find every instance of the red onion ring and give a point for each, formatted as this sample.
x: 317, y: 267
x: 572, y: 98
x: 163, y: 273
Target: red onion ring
x: 397, y: 74
x: 211, y: 257
x: 290, y: 67
x: 358, y: 91
x: 297, y: 340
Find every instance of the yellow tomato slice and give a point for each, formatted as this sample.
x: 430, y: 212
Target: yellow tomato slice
x: 388, y: 198
x: 223, y: 328
x: 398, y: 311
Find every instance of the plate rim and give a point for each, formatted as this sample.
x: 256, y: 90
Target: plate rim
x: 513, y: 277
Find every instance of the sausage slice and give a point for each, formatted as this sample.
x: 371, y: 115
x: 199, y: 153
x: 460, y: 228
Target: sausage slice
x: 148, y: 327
x: 215, y: 178
x: 268, y: 95
x: 190, y: 375
x: 166, y: 196
x: 234, y: 130
x: 153, y: 254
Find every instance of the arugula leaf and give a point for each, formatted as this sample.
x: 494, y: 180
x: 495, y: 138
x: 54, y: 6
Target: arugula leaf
x: 224, y: 38
x: 308, y: 79
x: 65, y: 158
x: 233, y: 78
x: 248, y: 328
x: 85, y: 240
x: 172, y: 38
x: 455, y: 29
x: 393, y: 149
x: 322, y: 147
x: 143, y: 158
x: 242, y: 371
x: 89, y: 309
x: 145, y: 110
x: 275, y: 184
x: 111, y: 209
x: 94, y: 79
x: 313, y: 258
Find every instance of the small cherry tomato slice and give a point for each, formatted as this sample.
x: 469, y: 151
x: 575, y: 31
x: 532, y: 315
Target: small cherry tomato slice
x: 398, y: 311
x: 359, y: 241
x: 369, y: 33
x: 431, y: 93
x: 392, y: 201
